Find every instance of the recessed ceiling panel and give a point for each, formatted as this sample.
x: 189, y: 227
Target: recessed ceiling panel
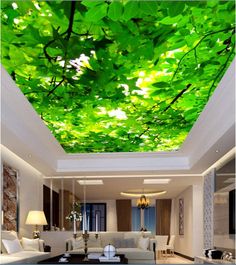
x: 118, y: 76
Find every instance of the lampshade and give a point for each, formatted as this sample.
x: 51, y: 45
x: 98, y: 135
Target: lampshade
x: 36, y: 218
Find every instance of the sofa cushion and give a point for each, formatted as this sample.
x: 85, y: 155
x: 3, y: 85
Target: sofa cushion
x: 108, y: 238
x: 134, y: 235
x: 30, y: 256
x: 77, y: 243
x: 124, y: 243
x: 94, y: 242
x: 12, y: 246
x: 143, y: 243
x: 8, y: 259
x: 30, y: 244
x: 8, y: 235
x: 136, y: 253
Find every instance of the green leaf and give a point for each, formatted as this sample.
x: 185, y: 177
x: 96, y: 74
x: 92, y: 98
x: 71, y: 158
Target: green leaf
x: 131, y: 10
x: 158, y: 92
x: 171, y: 20
x: 161, y: 84
x: 96, y: 13
x: 149, y: 7
x: 115, y: 10
x: 176, y: 8
x: 90, y: 3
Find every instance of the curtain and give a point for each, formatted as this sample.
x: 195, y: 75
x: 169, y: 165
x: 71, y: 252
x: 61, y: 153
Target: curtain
x: 163, y: 214
x: 124, y: 215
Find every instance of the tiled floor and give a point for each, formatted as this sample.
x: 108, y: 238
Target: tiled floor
x: 174, y: 260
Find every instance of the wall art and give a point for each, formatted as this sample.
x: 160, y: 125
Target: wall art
x: 10, y: 199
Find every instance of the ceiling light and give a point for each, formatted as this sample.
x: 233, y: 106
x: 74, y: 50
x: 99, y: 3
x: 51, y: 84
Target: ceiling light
x: 156, y: 181
x: 90, y: 182
x: 147, y: 194
x: 143, y: 202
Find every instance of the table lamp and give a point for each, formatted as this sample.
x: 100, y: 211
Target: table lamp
x: 36, y: 218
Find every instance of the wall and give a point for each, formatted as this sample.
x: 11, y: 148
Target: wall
x: 30, y: 188
x: 197, y: 220
x: 183, y: 243
x: 191, y: 243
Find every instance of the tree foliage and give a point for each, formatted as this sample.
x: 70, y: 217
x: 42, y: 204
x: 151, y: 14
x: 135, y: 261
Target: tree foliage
x: 118, y: 76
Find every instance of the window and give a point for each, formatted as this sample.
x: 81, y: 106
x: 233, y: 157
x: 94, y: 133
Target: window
x: 149, y: 219
x: 91, y: 210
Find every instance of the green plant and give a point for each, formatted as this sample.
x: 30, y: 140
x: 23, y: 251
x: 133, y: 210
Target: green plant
x: 75, y: 212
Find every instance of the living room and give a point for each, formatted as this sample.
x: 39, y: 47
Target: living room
x: 178, y: 186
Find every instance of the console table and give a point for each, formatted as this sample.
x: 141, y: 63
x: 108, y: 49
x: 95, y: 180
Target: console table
x: 204, y: 260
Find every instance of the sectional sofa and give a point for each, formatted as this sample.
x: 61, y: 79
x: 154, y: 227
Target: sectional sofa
x: 138, y: 247
x: 23, y: 256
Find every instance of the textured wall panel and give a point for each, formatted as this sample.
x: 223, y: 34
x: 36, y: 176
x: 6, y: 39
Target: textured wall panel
x: 209, y: 181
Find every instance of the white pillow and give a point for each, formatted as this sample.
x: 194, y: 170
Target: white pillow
x: 78, y: 243
x: 143, y: 243
x: 7, y: 235
x: 12, y: 246
x: 30, y: 244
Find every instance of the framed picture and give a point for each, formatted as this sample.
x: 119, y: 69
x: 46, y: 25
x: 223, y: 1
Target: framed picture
x: 181, y: 216
x: 10, y: 206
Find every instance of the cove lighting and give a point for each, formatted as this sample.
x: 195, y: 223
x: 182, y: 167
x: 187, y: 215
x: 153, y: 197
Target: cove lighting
x: 91, y: 182
x: 156, y: 181
x: 147, y: 194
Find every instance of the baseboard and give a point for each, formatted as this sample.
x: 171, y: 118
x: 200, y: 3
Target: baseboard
x: 184, y: 256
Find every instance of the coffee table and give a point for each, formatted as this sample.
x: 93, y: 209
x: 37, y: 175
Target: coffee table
x: 78, y: 259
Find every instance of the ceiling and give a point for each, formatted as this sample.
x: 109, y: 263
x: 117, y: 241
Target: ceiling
x: 211, y: 136
x: 112, y: 187
x: 110, y: 77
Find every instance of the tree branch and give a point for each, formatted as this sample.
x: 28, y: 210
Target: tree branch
x: 204, y: 37
x: 52, y: 90
x: 71, y: 21
x: 219, y: 73
x: 177, y: 97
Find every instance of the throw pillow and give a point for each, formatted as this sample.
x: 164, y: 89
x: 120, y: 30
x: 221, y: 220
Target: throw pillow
x: 12, y: 246
x: 94, y: 242
x: 134, y: 235
x: 30, y: 244
x: 124, y: 243
x: 130, y: 243
x: 143, y: 243
x: 78, y: 243
x: 8, y: 235
x: 117, y: 242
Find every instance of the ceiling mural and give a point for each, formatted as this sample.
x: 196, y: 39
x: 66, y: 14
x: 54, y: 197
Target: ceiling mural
x: 118, y: 76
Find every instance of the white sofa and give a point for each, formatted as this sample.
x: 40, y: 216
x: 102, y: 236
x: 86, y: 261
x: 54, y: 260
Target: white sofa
x: 21, y: 257
x: 134, y: 254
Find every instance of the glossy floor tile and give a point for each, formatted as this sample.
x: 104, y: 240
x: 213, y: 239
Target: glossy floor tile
x: 173, y: 260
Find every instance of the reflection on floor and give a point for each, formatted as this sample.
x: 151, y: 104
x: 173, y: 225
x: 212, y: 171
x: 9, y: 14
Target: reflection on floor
x: 174, y: 260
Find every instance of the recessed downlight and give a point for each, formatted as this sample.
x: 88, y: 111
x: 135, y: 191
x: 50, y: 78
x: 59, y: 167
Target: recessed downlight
x: 156, y: 181
x: 90, y: 182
